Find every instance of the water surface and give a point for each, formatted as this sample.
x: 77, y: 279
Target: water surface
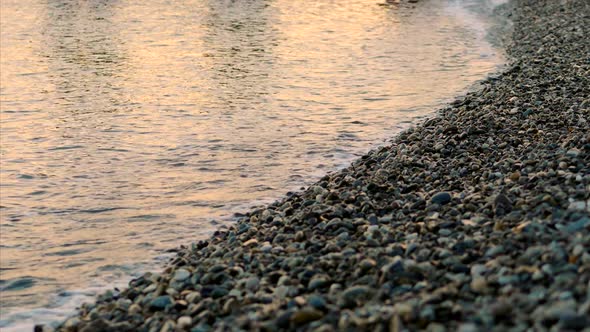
x: 131, y: 127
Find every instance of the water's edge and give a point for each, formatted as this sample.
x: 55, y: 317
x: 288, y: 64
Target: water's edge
x: 433, y: 231
x: 498, y: 35
x: 75, y: 298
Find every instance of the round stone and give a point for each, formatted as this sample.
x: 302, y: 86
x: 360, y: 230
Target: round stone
x: 441, y: 198
x: 181, y: 274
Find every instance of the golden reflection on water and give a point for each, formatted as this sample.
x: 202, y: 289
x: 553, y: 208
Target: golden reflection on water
x: 128, y: 126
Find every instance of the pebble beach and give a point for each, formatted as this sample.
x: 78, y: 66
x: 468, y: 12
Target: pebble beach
x: 477, y: 219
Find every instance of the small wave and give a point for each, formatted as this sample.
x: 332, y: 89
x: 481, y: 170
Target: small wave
x: 66, y: 147
x: 99, y: 210
x: 19, y: 284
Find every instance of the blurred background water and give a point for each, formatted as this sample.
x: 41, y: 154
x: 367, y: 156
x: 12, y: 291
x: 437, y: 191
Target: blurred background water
x: 131, y: 127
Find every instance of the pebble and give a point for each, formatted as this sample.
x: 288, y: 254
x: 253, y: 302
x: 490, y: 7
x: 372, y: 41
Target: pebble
x: 367, y: 264
x: 573, y: 153
x: 441, y: 198
x: 478, y: 270
x: 252, y: 284
x: 306, y: 315
x: 72, y: 323
x: 468, y: 327
x: 479, y: 285
x: 193, y: 297
x: 134, y: 309
x: 318, y: 282
x: 266, y: 247
x: 184, y: 322
x: 250, y: 242
x: 160, y: 303
x: 219, y: 292
x: 495, y: 251
x: 353, y: 294
x: 317, y: 302
x: 181, y: 275
x: 574, y: 322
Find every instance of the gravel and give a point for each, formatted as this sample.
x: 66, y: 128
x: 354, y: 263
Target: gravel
x: 477, y: 219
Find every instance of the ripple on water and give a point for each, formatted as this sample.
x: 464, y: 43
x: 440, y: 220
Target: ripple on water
x: 70, y: 252
x: 17, y: 284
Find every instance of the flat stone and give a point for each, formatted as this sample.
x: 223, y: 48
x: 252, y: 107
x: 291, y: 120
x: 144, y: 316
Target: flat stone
x: 181, y: 275
x: 306, y: 315
x: 250, y: 242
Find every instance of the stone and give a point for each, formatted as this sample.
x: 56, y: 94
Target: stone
x: 219, y: 292
x: 135, y: 309
x: 441, y: 198
x: 574, y: 321
x: 479, y: 285
x: 184, y: 322
x: 266, y: 247
x: 353, y: 295
x: 578, y: 206
x: 160, y: 303
x: 72, y: 322
x: 252, y: 284
x: 193, y: 297
x: 478, y: 270
x: 436, y: 327
x: 317, y: 302
x: 181, y: 275
x: 306, y: 315
x: 573, y: 153
x: 367, y: 264
x: 502, y: 205
x: 318, y: 282
x: 495, y: 251
x: 578, y: 225
x: 515, y: 176
x: 468, y: 327
x: 168, y: 326
x: 230, y: 306
x: 250, y: 243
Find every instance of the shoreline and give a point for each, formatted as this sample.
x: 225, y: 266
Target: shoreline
x: 478, y: 218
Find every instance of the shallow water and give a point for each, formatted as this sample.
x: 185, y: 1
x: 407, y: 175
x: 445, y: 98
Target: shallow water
x: 128, y: 129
